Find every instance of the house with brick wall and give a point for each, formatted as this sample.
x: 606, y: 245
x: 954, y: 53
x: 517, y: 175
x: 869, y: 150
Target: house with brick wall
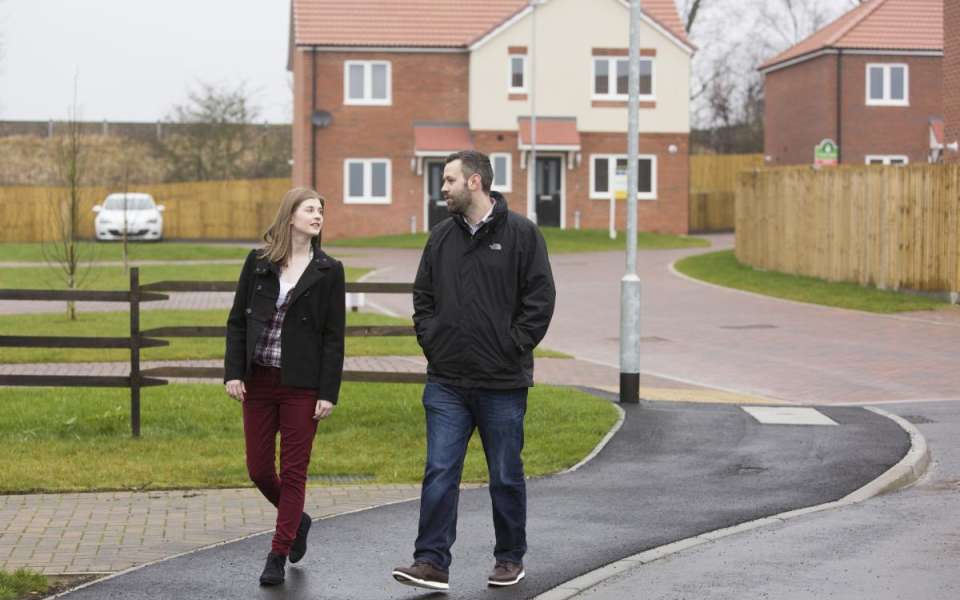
x: 385, y: 89
x: 951, y: 79
x: 871, y: 81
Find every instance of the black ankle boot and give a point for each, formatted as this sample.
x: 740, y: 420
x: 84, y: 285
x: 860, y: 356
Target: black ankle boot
x: 273, y: 571
x: 299, y: 547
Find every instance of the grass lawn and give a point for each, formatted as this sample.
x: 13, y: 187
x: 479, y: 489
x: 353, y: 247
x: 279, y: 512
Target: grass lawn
x: 113, y: 278
x: 110, y: 251
x: 60, y: 439
x: 558, y: 241
x: 722, y: 268
x: 21, y: 584
x: 117, y: 324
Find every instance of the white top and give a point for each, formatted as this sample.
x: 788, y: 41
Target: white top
x: 284, y: 290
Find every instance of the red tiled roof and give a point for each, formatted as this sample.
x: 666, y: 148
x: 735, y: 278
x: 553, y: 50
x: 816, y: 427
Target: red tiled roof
x: 876, y: 25
x: 441, y: 137
x: 551, y: 131
x: 424, y: 23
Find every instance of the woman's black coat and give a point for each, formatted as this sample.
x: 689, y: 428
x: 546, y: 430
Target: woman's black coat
x: 311, y: 339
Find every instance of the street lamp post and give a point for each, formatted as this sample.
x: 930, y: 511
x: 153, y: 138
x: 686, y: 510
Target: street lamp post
x: 630, y: 284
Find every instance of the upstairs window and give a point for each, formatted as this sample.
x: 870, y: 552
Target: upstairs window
x: 888, y: 84
x: 611, y: 78
x: 366, y: 82
x: 518, y: 74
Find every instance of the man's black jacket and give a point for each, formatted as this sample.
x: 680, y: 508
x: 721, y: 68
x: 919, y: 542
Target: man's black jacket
x: 311, y: 339
x: 482, y: 303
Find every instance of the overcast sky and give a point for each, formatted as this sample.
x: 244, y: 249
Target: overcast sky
x: 135, y: 59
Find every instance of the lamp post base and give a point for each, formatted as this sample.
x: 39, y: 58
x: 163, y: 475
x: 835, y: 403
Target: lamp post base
x: 629, y: 388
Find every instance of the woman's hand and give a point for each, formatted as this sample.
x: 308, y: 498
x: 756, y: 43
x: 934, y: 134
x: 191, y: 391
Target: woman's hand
x: 323, y: 410
x: 236, y: 389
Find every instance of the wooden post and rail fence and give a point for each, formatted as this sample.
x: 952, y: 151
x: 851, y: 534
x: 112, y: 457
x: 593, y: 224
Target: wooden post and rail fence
x: 140, y: 378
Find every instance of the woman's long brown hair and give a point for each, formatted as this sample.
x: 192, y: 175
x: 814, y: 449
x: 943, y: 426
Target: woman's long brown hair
x: 277, y: 237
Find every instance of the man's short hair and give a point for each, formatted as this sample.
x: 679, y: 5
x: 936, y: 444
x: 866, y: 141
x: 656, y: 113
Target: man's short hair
x: 473, y: 162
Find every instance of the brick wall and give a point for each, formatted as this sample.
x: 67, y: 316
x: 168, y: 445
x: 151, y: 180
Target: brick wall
x: 951, y: 75
x: 890, y: 129
x: 801, y: 110
x: 425, y: 87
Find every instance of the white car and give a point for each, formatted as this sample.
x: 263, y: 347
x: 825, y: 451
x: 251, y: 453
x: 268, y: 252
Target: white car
x: 144, y: 218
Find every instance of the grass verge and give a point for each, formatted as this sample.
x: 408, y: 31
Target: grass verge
x: 21, y: 584
x: 722, y: 268
x: 558, y: 241
x: 61, y: 439
x: 110, y: 251
x: 117, y: 324
x: 114, y: 278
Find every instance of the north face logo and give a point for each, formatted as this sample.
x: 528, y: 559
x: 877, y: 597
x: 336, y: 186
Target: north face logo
x: 496, y: 246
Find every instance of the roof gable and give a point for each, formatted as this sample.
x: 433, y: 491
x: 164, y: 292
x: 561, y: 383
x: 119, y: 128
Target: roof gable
x: 452, y: 24
x: 875, y: 25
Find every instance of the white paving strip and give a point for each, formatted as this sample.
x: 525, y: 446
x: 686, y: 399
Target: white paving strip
x: 788, y: 415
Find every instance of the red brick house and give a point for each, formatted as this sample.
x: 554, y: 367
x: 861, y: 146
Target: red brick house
x: 871, y: 81
x: 951, y: 79
x: 384, y: 89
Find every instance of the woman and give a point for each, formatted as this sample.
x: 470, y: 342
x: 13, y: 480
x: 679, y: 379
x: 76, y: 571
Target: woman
x: 284, y: 362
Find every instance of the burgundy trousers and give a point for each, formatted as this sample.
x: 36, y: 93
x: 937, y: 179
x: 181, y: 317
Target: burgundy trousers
x: 272, y: 407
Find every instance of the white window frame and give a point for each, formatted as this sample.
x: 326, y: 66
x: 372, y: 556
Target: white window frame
x: 508, y: 186
x: 510, y: 88
x: 887, y: 100
x: 612, y: 76
x: 367, y: 198
x: 887, y: 158
x: 611, y: 171
x: 367, y: 99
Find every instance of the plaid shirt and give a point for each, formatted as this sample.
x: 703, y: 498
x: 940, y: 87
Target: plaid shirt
x: 267, y: 352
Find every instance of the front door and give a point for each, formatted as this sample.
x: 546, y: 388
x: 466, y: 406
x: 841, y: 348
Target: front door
x: 549, y: 171
x: 436, y: 205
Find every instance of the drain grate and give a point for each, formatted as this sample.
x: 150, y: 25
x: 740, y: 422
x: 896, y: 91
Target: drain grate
x: 917, y: 419
x: 750, y: 326
x: 348, y: 478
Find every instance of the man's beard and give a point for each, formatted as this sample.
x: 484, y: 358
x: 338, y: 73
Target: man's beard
x: 457, y: 204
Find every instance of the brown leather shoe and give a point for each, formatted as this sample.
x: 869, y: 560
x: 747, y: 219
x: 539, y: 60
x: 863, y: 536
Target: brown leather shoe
x: 423, y: 574
x: 506, y: 573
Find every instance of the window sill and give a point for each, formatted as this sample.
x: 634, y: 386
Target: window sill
x: 367, y: 103
x: 894, y: 103
x: 622, y: 104
x: 366, y: 200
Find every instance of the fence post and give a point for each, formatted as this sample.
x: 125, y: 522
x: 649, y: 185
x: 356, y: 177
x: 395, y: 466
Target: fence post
x: 135, y: 351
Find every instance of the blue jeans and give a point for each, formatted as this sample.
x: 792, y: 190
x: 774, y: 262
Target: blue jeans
x: 452, y: 413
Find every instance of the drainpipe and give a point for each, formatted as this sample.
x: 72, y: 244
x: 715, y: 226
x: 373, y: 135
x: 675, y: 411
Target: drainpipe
x: 839, y: 106
x: 313, y: 128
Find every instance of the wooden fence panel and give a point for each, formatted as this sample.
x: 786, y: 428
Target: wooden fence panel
x: 240, y: 209
x: 892, y: 227
x: 713, y: 183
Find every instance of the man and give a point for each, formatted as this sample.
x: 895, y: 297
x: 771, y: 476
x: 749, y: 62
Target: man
x: 483, y: 298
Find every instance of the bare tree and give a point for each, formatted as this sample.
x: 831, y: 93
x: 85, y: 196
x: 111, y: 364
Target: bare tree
x: 217, y: 138
x: 733, y: 38
x: 66, y: 253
